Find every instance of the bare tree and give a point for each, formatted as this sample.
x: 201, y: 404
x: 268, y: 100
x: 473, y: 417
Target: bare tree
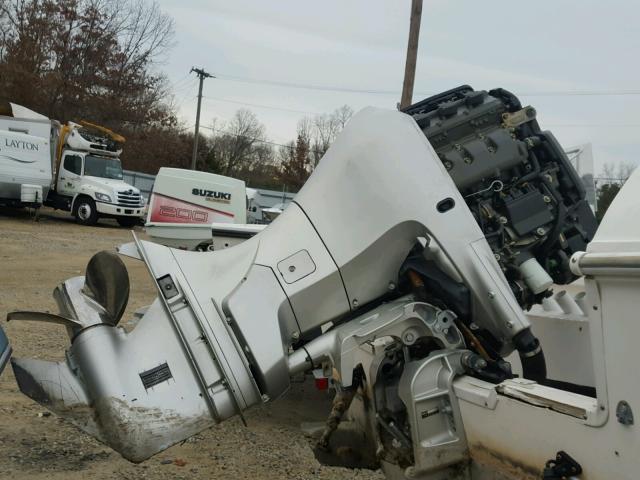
x: 617, y: 173
x: 296, y: 161
x: 613, y: 178
x: 326, y: 128
x: 71, y: 59
x: 238, y: 146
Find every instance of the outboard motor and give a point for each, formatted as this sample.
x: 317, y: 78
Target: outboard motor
x: 384, y: 243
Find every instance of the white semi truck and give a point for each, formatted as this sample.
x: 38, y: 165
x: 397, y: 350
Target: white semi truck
x: 72, y: 167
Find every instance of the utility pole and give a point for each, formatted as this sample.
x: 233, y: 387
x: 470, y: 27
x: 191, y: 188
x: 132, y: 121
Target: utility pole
x: 202, y: 75
x: 412, y: 54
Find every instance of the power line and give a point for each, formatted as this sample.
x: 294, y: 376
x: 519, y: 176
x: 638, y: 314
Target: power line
x: 327, y: 88
x: 186, y: 86
x: 220, y: 130
x: 337, y: 88
x: 610, y: 179
x: 308, y: 112
x: 180, y: 80
x: 594, y: 125
x: 578, y: 93
x: 255, y: 139
x: 187, y: 93
x: 257, y: 105
x: 179, y: 85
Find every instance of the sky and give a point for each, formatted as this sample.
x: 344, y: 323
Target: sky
x: 575, y: 62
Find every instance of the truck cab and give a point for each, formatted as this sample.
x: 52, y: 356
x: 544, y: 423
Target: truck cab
x: 91, y: 186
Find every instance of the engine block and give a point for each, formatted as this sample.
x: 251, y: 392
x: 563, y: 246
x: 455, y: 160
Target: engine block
x: 516, y: 180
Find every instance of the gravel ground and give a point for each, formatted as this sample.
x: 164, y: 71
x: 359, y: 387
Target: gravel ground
x: 37, y: 256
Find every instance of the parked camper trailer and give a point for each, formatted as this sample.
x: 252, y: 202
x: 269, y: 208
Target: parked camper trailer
x: 72, y: 167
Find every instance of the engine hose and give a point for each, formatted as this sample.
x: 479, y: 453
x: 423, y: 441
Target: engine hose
x: 534, y: 366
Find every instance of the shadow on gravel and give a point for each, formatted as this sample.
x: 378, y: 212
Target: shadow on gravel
x: 49, y: 455
x: 58, y: 216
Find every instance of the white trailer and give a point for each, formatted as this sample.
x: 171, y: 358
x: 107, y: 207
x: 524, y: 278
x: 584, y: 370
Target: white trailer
x: 25, y: 161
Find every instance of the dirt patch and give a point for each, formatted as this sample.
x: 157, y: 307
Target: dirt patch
x: 37, y: 256
x: 500, y: 466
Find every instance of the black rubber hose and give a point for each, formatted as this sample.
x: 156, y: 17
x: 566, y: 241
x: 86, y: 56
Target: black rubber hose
x: 535, y: 173
x: 534, y: 366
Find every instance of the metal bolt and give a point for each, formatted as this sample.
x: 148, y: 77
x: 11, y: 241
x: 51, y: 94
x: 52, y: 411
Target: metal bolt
x: 354, y: 303
x: 265, y: 398
x: 492, y: 294
x: 497, y: 256
x: 540, y: 231
x: 468, y: 160
x: 292, y: 268
x: 510, y: 324
x: 503, y: 220
x: 448, y: 165
x: 295, y: 336
x: 392, y: 286
x: 547, y: 199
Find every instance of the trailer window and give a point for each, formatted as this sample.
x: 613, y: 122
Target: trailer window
x: 102, y: 167
x: 73, y: 164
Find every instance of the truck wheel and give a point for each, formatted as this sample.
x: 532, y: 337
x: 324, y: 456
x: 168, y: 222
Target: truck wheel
x: 85, y: 211
x: 127, y: 221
